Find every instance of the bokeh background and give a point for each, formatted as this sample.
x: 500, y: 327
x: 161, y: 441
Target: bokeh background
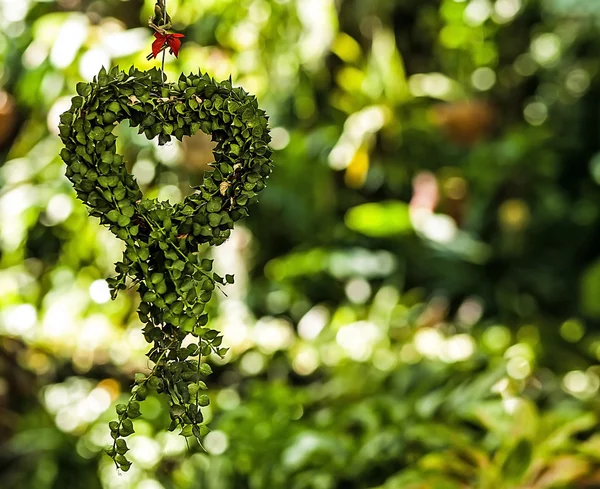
x: 417, y: 297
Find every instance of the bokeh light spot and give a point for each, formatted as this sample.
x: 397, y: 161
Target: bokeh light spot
x: 572, y: 330
x: 99, y: 291
x: 483, y: 78
x: 216, y: 442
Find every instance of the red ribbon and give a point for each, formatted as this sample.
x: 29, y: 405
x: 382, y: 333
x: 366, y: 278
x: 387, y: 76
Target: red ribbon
x: 171, y: 40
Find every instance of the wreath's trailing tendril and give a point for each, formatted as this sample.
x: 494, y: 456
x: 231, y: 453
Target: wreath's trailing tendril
x: 161, y: 240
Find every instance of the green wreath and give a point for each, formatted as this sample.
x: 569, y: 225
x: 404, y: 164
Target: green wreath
x: 161, y: 240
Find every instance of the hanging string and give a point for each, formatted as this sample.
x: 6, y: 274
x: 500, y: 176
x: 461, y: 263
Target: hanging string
x: 164, y: 54
x: 163, y: 39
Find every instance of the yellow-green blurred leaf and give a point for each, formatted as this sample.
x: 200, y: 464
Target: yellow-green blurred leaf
x: 380, y: 219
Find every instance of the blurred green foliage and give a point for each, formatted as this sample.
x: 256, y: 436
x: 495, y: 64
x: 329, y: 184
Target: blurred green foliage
x: 417, y: 296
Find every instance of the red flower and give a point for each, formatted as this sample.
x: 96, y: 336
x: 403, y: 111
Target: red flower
x: 171, y: 40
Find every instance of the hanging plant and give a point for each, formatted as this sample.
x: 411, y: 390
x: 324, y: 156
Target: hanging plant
x: 163, y: 241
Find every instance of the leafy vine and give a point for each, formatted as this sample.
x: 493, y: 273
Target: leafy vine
x: 163, y: 242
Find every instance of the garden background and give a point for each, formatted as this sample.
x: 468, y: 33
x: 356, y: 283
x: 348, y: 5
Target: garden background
x: 417, y: 296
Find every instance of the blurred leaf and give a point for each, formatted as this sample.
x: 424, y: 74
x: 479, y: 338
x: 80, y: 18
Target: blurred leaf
x: 560, y: 437
x: 414, y: 479
x: 387, y: 62
x: 561, y: 471
x: 380, y: 219
x: 517, y: 461
x: 592, y: 447
x: 590, y: 290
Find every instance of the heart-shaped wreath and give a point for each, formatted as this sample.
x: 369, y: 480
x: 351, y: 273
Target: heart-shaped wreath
x: 161, y: 240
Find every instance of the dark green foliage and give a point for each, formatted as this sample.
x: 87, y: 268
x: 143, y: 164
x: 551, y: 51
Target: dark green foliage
x: 162, y: 240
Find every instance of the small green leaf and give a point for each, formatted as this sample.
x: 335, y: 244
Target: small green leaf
x: 177, y: 411
x: 84, y: 89
x: 157, y: 277
x: 107, y: 157
x: 188, y: 324
x: 121, y: 446
x: 123, y: 221
x: 144, y: 254
x: 205, y: 369
x: 113, y: 215
x: 517, y: 461
x: 214, y: 205
x: 114, y: 107
x: 77, y: 102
